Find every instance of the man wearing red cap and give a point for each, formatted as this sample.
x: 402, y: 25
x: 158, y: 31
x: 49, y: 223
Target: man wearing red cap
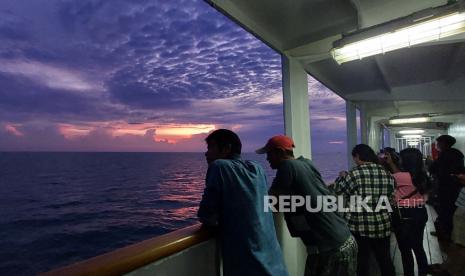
x: 336, y: 252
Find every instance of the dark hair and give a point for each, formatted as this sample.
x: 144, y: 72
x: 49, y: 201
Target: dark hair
x: 394, y: 157
x: 365, y: 153
x: 388, y: 149
x: 225, y: 138
x: 412, y: 162
x: 448, y: 140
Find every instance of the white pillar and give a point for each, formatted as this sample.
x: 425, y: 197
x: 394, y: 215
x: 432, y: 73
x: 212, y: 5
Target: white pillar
x: 297, y: 126
x: 296, y: 105
x: 375, y: 133
x: 351, y: 125
x: 363, y: 125
x: 392, y: 138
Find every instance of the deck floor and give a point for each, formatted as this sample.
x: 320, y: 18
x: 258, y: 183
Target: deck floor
x: 430, y: 243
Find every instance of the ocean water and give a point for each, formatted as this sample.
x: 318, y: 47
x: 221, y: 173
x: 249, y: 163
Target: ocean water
x: 60, y: 208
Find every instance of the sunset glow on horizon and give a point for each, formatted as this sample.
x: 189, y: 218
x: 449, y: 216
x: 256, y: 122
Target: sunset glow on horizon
x: 72, y: 131
x: 141, y: 76
x: 13, y: 130
x: 170, y: 133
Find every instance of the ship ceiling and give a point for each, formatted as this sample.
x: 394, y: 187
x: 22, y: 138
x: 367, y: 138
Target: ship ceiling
x: 306, y: 30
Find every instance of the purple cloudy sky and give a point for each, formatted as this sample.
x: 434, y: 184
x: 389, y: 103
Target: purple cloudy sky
x: 135, y: 75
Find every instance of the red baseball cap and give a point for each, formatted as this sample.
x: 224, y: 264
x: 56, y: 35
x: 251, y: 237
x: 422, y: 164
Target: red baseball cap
x: 277, y: 142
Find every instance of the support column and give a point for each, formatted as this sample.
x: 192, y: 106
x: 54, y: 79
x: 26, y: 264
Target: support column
x: 375, y: 133
x: 363, y: 124
x: 297, y: 126
x: 296, y: 105
x: 351, y: 126
x: 393, y: 140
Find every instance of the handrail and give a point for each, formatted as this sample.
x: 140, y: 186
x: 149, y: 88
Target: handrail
x: 134, y: 256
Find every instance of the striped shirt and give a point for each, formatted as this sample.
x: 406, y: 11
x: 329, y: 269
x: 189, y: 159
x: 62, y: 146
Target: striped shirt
x: 367, y: 180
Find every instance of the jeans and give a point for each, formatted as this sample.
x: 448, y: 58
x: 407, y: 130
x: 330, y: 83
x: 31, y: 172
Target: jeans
x: 409, y: 235
x: 381, y: 250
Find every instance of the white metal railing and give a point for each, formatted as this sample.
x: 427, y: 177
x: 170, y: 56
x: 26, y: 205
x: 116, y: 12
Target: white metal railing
x: 423, y: 144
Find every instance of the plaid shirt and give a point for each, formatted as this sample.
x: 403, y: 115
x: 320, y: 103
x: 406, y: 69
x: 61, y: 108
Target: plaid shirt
x: 372, y: 180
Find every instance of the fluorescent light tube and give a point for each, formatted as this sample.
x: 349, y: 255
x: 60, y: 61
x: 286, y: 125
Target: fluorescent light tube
x: 412, y: 131
x: 412, y: 136
x: 425, y: 31
x: 409, y: 120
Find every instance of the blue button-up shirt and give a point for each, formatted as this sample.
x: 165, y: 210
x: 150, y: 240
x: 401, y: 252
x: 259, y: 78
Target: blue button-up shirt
x: 233, y: 199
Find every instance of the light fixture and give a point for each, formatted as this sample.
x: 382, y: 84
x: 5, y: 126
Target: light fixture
x: 409, y: 120
x: 413, y: 143
x: 412, y: 131
x: 424, y: 26
x: 412, y: 136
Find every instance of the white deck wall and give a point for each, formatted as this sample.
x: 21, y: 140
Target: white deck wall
x: 199, y: 260
x: 458, y: 131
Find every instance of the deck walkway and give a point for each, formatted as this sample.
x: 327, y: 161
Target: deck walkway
x: 430, y: 243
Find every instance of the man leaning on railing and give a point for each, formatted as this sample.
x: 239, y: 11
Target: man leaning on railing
x: 233, y: 201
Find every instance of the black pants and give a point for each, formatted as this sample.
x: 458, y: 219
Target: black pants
x: 381, y: 250
x: 445, y: 218
x: 448, y: 191
x: 409, y: 235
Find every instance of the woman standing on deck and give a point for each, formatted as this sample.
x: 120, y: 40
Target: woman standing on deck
x: 410, y: 222
x: 371, y: 227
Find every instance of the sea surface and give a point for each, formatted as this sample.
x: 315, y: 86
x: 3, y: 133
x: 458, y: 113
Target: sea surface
x: 60, y: 208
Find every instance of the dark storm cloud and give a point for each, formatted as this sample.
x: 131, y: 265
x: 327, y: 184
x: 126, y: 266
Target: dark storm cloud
x: 22, y: 99
x: 10, y: 32
x: 19, y: 94
x: 140, y: 96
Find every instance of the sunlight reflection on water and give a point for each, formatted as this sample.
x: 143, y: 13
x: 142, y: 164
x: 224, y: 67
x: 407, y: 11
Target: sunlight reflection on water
x: 59, y: 208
